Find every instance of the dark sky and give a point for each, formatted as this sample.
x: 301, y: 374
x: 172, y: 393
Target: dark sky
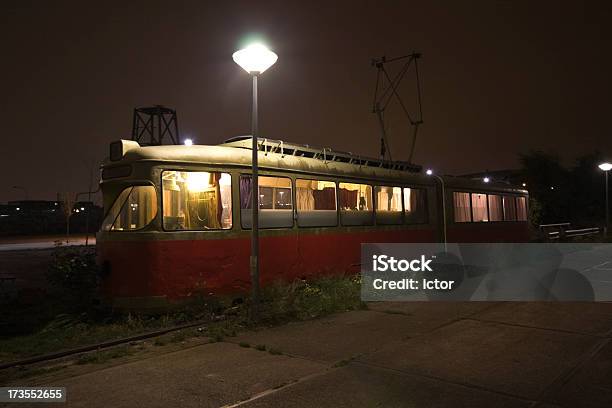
x: 498, y: 78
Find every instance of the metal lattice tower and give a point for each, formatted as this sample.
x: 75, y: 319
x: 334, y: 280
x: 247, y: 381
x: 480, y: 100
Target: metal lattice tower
x: 153, y: 124
x: 384, y: 94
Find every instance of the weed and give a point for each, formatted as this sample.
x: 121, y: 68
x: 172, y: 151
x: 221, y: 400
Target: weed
x: 178, y: 336
x: 160, y: 341
x: 99, y: 357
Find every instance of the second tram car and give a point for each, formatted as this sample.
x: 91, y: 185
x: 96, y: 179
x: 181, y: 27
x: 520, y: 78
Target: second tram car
x: 178, y: 218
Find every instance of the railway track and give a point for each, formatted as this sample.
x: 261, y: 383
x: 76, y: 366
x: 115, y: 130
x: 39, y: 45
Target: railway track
x: 97, y: 346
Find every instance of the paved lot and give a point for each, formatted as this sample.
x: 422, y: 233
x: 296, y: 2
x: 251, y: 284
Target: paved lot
x: 542, y: 355
x: 44, y: 242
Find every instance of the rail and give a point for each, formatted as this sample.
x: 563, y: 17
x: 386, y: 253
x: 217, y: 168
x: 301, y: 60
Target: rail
x: 98, y: 346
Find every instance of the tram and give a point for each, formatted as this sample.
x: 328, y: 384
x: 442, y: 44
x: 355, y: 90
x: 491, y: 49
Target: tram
x: 178, y: 218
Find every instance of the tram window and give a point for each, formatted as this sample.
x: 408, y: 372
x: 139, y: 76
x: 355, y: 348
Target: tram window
x: 197, y: 200
x: 462, y: 207
x: 521, y: 209
x: 415, y: 205
x: 496, y: 211
x: 275, y: 202
x: 316, y: 203
x: 479, y: 208
x: 134, y: 209
x: 388, y: 205
x: 509, y: 208
x: 355, y: 204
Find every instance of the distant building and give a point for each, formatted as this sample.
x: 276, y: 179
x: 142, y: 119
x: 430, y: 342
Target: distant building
x: 28, y: 217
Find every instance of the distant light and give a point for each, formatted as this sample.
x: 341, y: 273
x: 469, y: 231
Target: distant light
x: 255, y: 58
x: 18, y: 208
x: 77, y: 210
x: 605, y: 166
x: 54, y: 203
x: 524, y: 184
x: 429, y: 172
x: 552, y: 187
x: 82, y: 208
x: 188, y: 142
x: 486, y: 179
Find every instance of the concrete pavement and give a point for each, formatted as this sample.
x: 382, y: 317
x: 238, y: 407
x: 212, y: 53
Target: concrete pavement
x: 541, y: 355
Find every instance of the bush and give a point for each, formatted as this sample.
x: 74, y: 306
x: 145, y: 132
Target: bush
x: 306, y: 300
x: 73, y: 271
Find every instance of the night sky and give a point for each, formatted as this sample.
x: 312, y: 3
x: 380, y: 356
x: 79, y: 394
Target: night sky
x: 498, y: 78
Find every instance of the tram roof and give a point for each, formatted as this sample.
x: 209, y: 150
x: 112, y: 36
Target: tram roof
x: 236, y: 153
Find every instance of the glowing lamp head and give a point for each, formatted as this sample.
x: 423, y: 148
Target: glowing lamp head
x: 188, y: 142
x: 524, y: 184
x: 486, y: 179
x: 605, y: 166
x: 255, y: 59
x: 429, y: 172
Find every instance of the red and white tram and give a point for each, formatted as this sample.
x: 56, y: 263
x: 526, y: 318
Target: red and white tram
x: 178, y: 217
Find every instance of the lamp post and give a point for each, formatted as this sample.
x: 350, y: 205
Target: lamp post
x: 606, y: 167
x: 254, y: 59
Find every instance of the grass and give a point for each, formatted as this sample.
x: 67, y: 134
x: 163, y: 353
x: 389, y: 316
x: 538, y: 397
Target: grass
x: 302, y: 300
x: 66, y: 331
x: 280, y: 303
x: 27, y: 372
x: 102, y: 356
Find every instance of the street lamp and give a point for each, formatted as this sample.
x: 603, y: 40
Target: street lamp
x: 254, y: 59
x: 606, y: 167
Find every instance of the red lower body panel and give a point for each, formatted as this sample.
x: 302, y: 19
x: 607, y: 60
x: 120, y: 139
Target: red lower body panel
x: 176, y: 269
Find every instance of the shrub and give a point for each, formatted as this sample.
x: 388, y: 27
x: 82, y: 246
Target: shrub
x: 73, y: 271
x: 305, y: 300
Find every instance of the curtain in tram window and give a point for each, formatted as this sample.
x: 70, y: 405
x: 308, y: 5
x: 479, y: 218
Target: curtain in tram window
x: 186, y: 212
x: 509, y: 208
x: 325, y: 199
x: 479, y: 208
x: 215, y: 177
x: 521, y: 209
x: 305, y: 198
x: 415, y: 202
x: 462, y: 207
x: 348, y: 199
x: 496, y: 212
x: 245, y: 192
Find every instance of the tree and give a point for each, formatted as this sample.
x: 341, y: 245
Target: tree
x: 587, y: 185
x: 548, y: 183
